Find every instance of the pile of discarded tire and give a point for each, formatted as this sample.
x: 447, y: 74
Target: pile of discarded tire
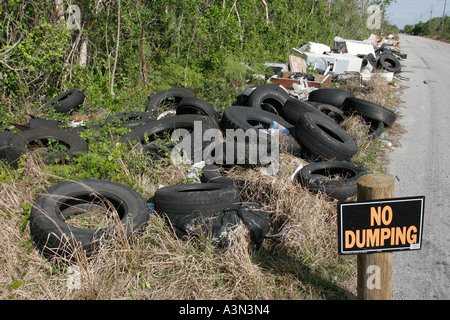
x: 385, y: 58
x: 212, y: 210
x: 212, y: 207
x: 315, y: 125
x: 325, y: 139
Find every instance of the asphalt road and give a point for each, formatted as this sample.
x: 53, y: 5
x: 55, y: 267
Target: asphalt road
x: 422, y: 165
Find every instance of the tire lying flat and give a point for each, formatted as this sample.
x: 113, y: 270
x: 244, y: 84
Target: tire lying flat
x: 19, y: 144
x: 343, y: 183
x: 54, y: 236
x: 211, y: 174
x: 4, y: 142
x: 205, y: 198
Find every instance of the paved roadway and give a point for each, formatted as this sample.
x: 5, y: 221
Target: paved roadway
x: 422, y: 165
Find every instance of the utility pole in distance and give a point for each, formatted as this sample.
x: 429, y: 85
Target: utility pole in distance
x: 431, y: 15
x: 443, y: 17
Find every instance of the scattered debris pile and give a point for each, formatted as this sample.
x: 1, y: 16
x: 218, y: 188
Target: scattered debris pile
x: 309, y: 128
x: 315, y: 65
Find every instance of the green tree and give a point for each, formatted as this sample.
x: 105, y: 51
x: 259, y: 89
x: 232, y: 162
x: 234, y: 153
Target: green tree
x: 147, y: 45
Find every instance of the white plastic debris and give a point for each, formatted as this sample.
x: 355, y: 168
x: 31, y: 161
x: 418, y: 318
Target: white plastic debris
x: 299, y: 167
x: 194, y: 171
x: 78, y: 122
x: 315, y: 47
x: 166, y: 113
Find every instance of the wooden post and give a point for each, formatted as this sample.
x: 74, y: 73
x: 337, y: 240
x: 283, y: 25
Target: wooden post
x: 375, y: 269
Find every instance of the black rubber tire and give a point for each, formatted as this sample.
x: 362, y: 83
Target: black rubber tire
x: 36, y: 123
x: 324, y: 138
x: 383, y: 49
x: 250, y: 154
x: 335, y: 113
x: 18, y: 144
x: 185, y: 121
x: 211, y: 174
x: 242, y: 98
x: 369, y: 59
x: 54, y: 236
x: 294, y: 108
x: 152, y: 129
x: 333, y: 96
x: 194, y: 105
x: 314, y: 178
x: 5, y: 135
x: 268, y: 97
x: 130, y: 120
x: 289, y: 145
x: 389, y: 62
x: 174, y: 95
x: 369, y: 110
x: 376, y: 128
x: 206, y: 198
x: 67, y: 100
x: 239, y: 117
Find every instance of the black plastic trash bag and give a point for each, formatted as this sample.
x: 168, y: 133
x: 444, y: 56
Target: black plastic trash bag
x: 215, y: 227
x: 256, y: 220
x: 218, y: 226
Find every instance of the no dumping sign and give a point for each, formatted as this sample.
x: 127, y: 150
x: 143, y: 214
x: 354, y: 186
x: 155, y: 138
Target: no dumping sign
x: 380, y: 225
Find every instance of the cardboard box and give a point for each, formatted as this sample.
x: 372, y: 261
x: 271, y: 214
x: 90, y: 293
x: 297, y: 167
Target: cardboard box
x: 320, y: 81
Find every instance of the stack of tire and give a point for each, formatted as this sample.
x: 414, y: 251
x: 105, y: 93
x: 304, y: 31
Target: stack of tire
x: 210, y: 209
x: 321, y: 176
x: 386, y: 59
x: 315, y: 124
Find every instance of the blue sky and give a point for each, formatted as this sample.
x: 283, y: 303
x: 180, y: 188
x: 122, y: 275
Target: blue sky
x: 410, y: 11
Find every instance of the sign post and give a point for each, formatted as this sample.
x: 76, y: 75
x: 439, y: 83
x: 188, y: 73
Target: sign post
x: 375, y: 270
x: 374, y: 226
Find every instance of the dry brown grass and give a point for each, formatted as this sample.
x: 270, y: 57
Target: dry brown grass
x: 157, y: 265
x: 374, y: 155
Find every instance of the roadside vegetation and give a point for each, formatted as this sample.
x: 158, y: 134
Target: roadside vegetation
x: 135, y: 49
x: 436, y: 28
